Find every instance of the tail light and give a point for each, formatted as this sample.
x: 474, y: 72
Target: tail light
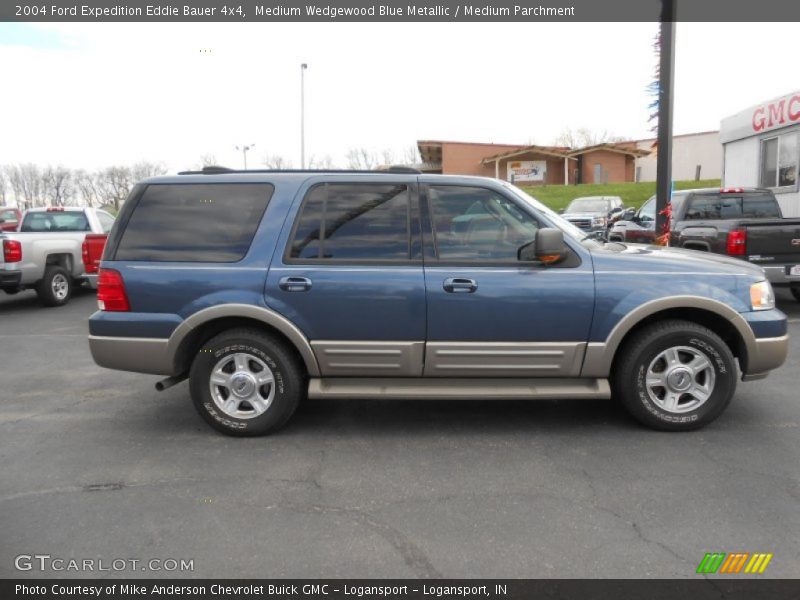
x: 88, y: 267
x: 111, y: 294
x: 12, y: 251
x: 737, y: 242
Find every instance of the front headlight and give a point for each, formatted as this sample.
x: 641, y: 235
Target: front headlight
x: 598, y: 221
x: 761, y: 296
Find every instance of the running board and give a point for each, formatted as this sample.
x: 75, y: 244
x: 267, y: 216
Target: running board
x: 341, y: 388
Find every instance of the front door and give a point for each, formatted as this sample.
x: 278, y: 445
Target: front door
x: 488, y: 313
x: 350, y: 276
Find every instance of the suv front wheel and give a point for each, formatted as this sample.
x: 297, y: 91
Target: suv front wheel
x: 675, y: 376
x: 245, y: 382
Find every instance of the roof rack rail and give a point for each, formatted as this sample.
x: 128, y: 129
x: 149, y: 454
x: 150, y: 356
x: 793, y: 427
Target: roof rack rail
x: 217, y: 170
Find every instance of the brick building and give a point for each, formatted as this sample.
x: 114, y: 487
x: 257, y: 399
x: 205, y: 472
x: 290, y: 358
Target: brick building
x: 531, y: 164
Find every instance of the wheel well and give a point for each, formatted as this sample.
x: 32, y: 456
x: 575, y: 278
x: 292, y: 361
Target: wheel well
x: 716, y: 323
x: 62, y: 260
x: 201, y: 334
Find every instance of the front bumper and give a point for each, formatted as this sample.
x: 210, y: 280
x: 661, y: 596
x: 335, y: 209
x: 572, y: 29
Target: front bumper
x: 91, y: 280
x: 778, y: 275
x: 769, y: 354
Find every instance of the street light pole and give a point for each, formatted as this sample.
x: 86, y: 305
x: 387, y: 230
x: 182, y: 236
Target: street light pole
x: 244, y: 148
x: 303, y: 68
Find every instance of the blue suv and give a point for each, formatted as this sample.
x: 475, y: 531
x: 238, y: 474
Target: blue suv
x: 263, y: 288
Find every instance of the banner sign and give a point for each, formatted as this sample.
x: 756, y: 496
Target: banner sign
x: 527, y: 170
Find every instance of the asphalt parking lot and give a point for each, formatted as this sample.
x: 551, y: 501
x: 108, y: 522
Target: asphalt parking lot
x: 97, y: 464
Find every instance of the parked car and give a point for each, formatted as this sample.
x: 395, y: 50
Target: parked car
x: 9, y: 218
x: 263, y: 288
x: 594, y: 213
x: 46, y: 253
x: 743, y: 222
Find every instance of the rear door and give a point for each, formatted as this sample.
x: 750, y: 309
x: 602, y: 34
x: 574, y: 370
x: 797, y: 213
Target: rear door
x: 490, y: 315
x: 348, y: 273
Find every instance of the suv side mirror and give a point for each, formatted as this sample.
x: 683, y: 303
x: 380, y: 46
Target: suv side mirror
x: 548, y: 247
x: 628, y: 214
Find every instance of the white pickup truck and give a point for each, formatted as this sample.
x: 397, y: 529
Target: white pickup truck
x: 45, y: 253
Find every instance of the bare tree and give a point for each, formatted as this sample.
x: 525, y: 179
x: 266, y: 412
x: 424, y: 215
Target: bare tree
x: 276, y: 161
x: 208, y: 160
x: 57, y: 187
x: 362, y: 159
x: 114, y: 184
x: 320, y: 162
x: 26, y: 181
x: 2, y: 186
x: 411, y: 155
x: 583, y: 136
x: 143, y: 170
x: 86, y: 185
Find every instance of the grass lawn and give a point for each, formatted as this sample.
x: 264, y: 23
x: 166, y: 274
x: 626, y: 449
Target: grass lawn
x: 632, y: 194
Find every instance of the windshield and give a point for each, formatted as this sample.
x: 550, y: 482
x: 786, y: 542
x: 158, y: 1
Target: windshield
x: 599, y: 205
x: 568, y: 228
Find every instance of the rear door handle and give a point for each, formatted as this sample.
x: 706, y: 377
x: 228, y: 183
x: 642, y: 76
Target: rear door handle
x: 295, y: 284
x: 459, y: 285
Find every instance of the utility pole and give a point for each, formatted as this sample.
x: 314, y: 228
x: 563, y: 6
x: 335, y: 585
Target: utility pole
x: 244, y: 148
x: 303, y: 67
x: 665, y: 101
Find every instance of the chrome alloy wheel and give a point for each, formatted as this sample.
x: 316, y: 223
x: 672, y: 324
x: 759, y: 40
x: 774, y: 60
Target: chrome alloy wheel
x: 60, y: 286
x: 242, y: 385
x: 680, y: 379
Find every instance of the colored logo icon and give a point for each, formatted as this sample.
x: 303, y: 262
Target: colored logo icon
x: 734, y: 563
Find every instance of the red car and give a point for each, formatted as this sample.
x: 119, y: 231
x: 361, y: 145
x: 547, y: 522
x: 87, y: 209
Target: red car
x: 9, y: 218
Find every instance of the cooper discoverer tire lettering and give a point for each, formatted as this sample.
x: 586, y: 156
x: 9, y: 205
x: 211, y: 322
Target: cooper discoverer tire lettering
x: 675, y: 376
x: 245, y: 382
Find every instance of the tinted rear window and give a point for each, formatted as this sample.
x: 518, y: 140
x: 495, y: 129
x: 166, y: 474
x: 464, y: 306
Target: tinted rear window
x: 353, y: 222
x: 55, y: 221
x: 205, y: 222
x: 732, y: 206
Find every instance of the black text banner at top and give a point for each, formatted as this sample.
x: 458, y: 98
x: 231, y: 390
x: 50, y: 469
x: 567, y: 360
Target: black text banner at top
x: 394, y: 10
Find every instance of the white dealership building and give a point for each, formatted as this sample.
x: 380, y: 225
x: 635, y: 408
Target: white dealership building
x: 761, y: 147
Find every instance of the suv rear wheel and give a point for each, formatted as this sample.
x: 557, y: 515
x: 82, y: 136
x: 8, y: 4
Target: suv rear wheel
x: 795, y: 292
x: 675, y: 376
x: 246, y: 382
x: 55, y: 288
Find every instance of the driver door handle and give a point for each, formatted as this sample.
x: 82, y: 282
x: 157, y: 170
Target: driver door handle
x: 459, y: 285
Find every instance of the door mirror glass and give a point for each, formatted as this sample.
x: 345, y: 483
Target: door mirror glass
x: 628, y: 214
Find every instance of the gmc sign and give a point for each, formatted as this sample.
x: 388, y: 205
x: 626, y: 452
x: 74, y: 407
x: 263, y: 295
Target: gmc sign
x: 774, y: 114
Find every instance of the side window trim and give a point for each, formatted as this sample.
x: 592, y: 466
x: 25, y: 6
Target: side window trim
x: 413, y: 234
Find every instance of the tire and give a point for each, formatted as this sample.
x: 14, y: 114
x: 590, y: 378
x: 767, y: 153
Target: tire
x: 678, y: 404
x: 795, y: 292
x: 237, y: 359
x: 55, y: 288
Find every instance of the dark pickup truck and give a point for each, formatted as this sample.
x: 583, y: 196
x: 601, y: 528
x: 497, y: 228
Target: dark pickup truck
x: 746, y: 223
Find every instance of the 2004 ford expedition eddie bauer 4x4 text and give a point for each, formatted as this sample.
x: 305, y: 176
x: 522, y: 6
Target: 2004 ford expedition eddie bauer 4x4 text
x: 266, y: 287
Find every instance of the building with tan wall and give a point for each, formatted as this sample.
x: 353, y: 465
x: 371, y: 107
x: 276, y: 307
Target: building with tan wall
x: 531, y: 164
